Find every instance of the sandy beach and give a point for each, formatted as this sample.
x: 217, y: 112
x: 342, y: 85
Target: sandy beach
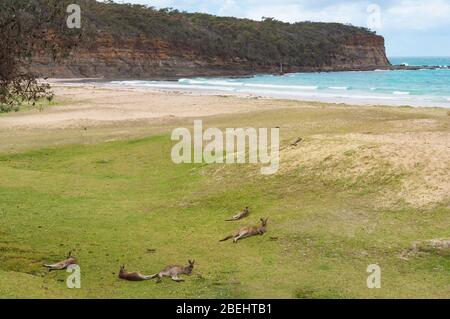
x: 104, y: 104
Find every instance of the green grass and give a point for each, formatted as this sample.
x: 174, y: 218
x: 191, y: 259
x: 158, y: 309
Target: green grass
x: 110, y: 202
x: 39, y: 106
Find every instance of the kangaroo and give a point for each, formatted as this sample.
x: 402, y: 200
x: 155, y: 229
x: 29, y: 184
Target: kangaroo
x: 62, y: 264
x: 241, y: 215
x: 249, y: 231
x: 174, y: 271
x: 131, y: 276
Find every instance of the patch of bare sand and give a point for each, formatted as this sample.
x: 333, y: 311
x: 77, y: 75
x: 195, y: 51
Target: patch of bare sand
x: 98, y: 106
x: 420, y: 160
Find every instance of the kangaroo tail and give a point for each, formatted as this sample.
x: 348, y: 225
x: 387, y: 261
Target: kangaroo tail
x: 153, y: 276
x: 52, y: 267
x: 230, y: 220
x: 226, y: 238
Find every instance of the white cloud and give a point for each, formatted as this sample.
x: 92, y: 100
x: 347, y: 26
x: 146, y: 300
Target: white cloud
x: 230, y: 8
x: 345, y: 13
x: 418, y: 15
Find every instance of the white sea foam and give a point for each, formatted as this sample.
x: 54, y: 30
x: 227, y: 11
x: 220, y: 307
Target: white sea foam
x: 318, y: 95
x: 338, y: 87
x: 241, y: 84
x: 400, y: 93
x: 275, y: 86
x: 166, y: 85
x: 128, y: 82
x: 197, y: 87
x: 190, y: 81
x: 224, y: 83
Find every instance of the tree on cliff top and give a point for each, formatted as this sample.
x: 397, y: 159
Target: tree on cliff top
x: 28, y: 27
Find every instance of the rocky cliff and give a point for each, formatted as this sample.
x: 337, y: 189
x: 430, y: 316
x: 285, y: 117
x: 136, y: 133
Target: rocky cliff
x: 162, y: 44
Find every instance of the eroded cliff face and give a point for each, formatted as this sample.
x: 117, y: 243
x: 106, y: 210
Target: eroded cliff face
x: 363, y: 52
x: 111, y: 57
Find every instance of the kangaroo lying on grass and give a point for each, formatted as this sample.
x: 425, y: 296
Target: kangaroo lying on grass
x: 62, y: 264
x: 241, y: 215
x: 131, y: 276
x: 174, y: 271
x: 249, y: 231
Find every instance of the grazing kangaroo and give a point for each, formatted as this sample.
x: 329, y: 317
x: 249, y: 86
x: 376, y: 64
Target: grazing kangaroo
x: 131, y: 276
x: 62, y: 264
x: 249, y: 231
x: 241, y: 215
x: 174, y: 271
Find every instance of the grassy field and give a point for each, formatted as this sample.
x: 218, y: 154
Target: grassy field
x: 110, y: 202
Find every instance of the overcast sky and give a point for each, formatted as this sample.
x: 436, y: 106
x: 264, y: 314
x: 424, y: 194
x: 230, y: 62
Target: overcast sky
x: 410, y: 27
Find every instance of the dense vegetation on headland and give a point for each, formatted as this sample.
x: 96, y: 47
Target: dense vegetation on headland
x: 261, y: 42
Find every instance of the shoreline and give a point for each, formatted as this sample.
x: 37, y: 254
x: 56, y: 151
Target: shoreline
x: 174, y: 78
x: 103, y: 106
x: 308, y: 96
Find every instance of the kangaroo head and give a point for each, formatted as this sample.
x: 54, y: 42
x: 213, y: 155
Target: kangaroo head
x: 264, y: 222
x: 122, y: 269
x: 190, y: 267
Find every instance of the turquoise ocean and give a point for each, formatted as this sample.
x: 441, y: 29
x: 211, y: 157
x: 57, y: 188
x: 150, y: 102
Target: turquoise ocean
x: 421, y: 87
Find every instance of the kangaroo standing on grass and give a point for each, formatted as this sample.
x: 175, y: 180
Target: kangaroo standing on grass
x: 173, y: 271
x: 62, y: 264
x: 249, y: 231
x: 241, y: 215
x: 131, y: 276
